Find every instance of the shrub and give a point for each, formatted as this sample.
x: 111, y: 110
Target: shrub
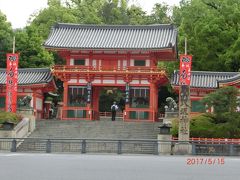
x: 174, y: 129
x: 202, y: 126
x: 212, y: 126
x: 9, y: 117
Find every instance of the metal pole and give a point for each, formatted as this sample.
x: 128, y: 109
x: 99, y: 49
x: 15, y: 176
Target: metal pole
x: 48, y: 146
x: 13, y: 45
x: 119, y: 150
x: 185, y: 45
x: 83, y: 146
x: 14, y: 146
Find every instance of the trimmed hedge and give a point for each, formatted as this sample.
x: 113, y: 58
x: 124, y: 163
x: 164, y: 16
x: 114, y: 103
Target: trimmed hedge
x: 212, y: 126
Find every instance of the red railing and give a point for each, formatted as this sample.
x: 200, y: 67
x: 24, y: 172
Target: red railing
x: 109, y: 114
x: 105, y: 69
x: 212, y: 140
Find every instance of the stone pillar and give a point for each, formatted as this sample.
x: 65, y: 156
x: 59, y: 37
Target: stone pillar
x: 184, y: 120
x: 184, y: 112
x: 184, y: 102
x: 164, y: 140
x: 28, y: 113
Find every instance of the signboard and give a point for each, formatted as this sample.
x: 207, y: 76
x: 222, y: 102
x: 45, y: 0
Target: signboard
x: 184, y: 98
x: 127, y: 91
x: 89, y: 92
x: 185, y: 69
x: 11, y: 82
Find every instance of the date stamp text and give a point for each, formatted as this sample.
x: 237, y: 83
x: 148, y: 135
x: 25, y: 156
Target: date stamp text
x: 205, y: 161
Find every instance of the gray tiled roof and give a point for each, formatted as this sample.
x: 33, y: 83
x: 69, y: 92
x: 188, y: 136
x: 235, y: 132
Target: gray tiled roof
x: 29, y: 76
x: 205, y: 79
x: 77, y: 36
x: 234, y: 78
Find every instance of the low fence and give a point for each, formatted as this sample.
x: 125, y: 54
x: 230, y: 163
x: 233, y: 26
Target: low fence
x: 109, y: 114
x: 137, y: 146
x: 212, y: 140
x: 80, y: 145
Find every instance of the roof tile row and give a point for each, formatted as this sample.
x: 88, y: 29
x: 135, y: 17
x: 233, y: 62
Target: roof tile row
x: 76, y: 36
x: 29, y: 76
x: 206, y: 79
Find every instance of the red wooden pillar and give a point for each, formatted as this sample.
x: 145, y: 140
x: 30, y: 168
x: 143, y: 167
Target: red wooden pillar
x: 34, y: 99
x: 65, y: 99
x: 153, y: 108
x: 95, y: 101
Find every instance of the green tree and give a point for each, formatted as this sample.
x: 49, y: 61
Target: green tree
x: 32, y: 53
x: 115, y: 12
x: 6, y: 37
x: 87, y: 11
x: 56, y: 12
x: 222, y: 100
x: 136, y: 16
x: 212, y: 30
x: 160, y: 14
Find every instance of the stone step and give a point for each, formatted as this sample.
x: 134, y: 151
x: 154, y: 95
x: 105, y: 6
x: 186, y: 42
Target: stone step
x: 104, y: 129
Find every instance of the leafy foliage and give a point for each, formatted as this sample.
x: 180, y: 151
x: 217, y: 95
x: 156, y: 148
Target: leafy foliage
x: 108, y: 96
x: 225, y: 122
x: 222, y: 100
x: 28, y: 42
x: 9, y: 117
x: 212, y: 30
x: 6, y: 36
x: 208, y: 126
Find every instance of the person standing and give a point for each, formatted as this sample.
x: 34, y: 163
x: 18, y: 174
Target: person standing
x: 114, y: 109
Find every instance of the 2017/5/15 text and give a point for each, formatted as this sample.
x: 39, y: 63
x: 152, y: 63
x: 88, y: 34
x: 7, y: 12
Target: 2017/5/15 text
x: 205, y: 161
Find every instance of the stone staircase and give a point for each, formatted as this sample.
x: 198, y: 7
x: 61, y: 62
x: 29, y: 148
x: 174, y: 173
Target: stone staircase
x: 103, y: 129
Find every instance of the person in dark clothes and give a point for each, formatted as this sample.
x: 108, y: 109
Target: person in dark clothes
x: 114, y: 109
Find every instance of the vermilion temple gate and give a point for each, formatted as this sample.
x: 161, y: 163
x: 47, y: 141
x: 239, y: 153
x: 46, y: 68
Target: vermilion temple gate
x: 117, y: 56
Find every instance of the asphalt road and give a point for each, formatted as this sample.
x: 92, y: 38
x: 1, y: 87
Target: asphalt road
x: 116, y: 167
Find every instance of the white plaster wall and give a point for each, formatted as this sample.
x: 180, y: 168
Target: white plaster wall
x: 72, y: 81
x: 20, y: 90
x: 82, y: 81
x: 120, y: 82
x: 94, y: 63
x: 135, y: 82
x: 132, y: 62
x: 144, y: 82
x: 71, y: 61
x: 96, y: 81
x: 147, y: 62
x: 28, y: 91
x: 86, y: 62
x: 119, y: 64
x: 109, y: 81
x: 124, y: 64
x: 39, y: 103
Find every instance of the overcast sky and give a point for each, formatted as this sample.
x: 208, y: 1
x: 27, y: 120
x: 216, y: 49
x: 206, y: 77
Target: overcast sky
x: 19, y: 11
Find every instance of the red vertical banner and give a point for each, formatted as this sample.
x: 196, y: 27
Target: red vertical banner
x: 11, y: 82
x: 185, y: 69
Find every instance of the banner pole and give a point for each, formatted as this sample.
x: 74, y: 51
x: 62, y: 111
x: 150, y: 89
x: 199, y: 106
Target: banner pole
x: 185, y: 45
x: 13, y: 45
